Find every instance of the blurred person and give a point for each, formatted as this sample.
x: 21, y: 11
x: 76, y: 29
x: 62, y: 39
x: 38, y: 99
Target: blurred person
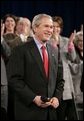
x: 23, y: 28
x: 5, y: 49
x: 9, y: 40
x: 67, y: 52
x: 32, y: 77
x: 4, y: 91
x: 77, y: 73
x: 78, y: 42
x: 8, y: 31
x: 9, y: 21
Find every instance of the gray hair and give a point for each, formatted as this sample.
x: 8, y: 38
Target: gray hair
x: 78, y: 37
x: 22, y: 19
x: 37, y: 19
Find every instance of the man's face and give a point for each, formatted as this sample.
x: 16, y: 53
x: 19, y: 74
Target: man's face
x: 23, y: 27
x: 44, y: 31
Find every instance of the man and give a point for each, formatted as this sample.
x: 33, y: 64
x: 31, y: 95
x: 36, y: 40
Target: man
x: 30, y: 80
x: 23, y: 28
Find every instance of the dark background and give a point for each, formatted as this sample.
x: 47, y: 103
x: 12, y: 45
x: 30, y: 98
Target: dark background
x: 70, y: 10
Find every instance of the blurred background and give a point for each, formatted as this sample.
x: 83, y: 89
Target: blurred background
x: 70, y: 10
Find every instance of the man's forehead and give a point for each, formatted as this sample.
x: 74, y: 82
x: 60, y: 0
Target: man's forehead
x: 46, y: 21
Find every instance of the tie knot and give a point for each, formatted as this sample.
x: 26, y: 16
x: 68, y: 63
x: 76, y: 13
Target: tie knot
x: 44, y: 51
x: 43, y: 47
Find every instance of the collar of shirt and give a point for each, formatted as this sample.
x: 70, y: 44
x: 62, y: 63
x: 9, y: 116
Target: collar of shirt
x: 39, y: 45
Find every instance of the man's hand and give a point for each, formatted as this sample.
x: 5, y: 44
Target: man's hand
x: 54, y: 102
x: 37, y: 100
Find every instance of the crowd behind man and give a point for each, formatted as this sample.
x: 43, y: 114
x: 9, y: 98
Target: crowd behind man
x: 22, y: 57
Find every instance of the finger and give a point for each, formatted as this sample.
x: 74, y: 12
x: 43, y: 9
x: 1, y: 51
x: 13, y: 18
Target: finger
x: 71, y: 37
x: 54, y: 105
x: 48, y: 103
x: 44, y: 105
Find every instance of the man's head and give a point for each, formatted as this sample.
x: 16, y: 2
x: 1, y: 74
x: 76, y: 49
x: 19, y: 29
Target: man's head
x: 23, y: 26
x: 42, y: 26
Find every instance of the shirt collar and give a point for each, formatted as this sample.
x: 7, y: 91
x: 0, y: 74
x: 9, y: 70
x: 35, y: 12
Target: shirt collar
x: 39, y: 45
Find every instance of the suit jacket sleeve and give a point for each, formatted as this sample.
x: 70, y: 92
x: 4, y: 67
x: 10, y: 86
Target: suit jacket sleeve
x: 15, y: 72
x: 60, y: 81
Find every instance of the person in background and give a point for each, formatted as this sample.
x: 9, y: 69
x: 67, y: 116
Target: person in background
x: 67, y: 52
x: 77, y: 73
x: 9, y: 21
x: 5, y: 49
x: 23, y: 28
x: 4, y: 91
x: 8, y: 34
x: 33, y: 71
x: 9, y: 40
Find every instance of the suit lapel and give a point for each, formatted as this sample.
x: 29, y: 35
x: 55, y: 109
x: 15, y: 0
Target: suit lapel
x: 50, y: 59
x: 52, y: 66
x: 51, y: 55
x: 36, y: 55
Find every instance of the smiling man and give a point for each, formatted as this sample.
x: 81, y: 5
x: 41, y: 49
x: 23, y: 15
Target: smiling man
x: 33, y: 71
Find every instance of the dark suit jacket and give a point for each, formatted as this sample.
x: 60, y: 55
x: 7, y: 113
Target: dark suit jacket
x: 27, y: 79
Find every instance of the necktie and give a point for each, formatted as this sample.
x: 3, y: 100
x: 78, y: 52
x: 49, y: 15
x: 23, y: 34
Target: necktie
x: 45, y: 59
